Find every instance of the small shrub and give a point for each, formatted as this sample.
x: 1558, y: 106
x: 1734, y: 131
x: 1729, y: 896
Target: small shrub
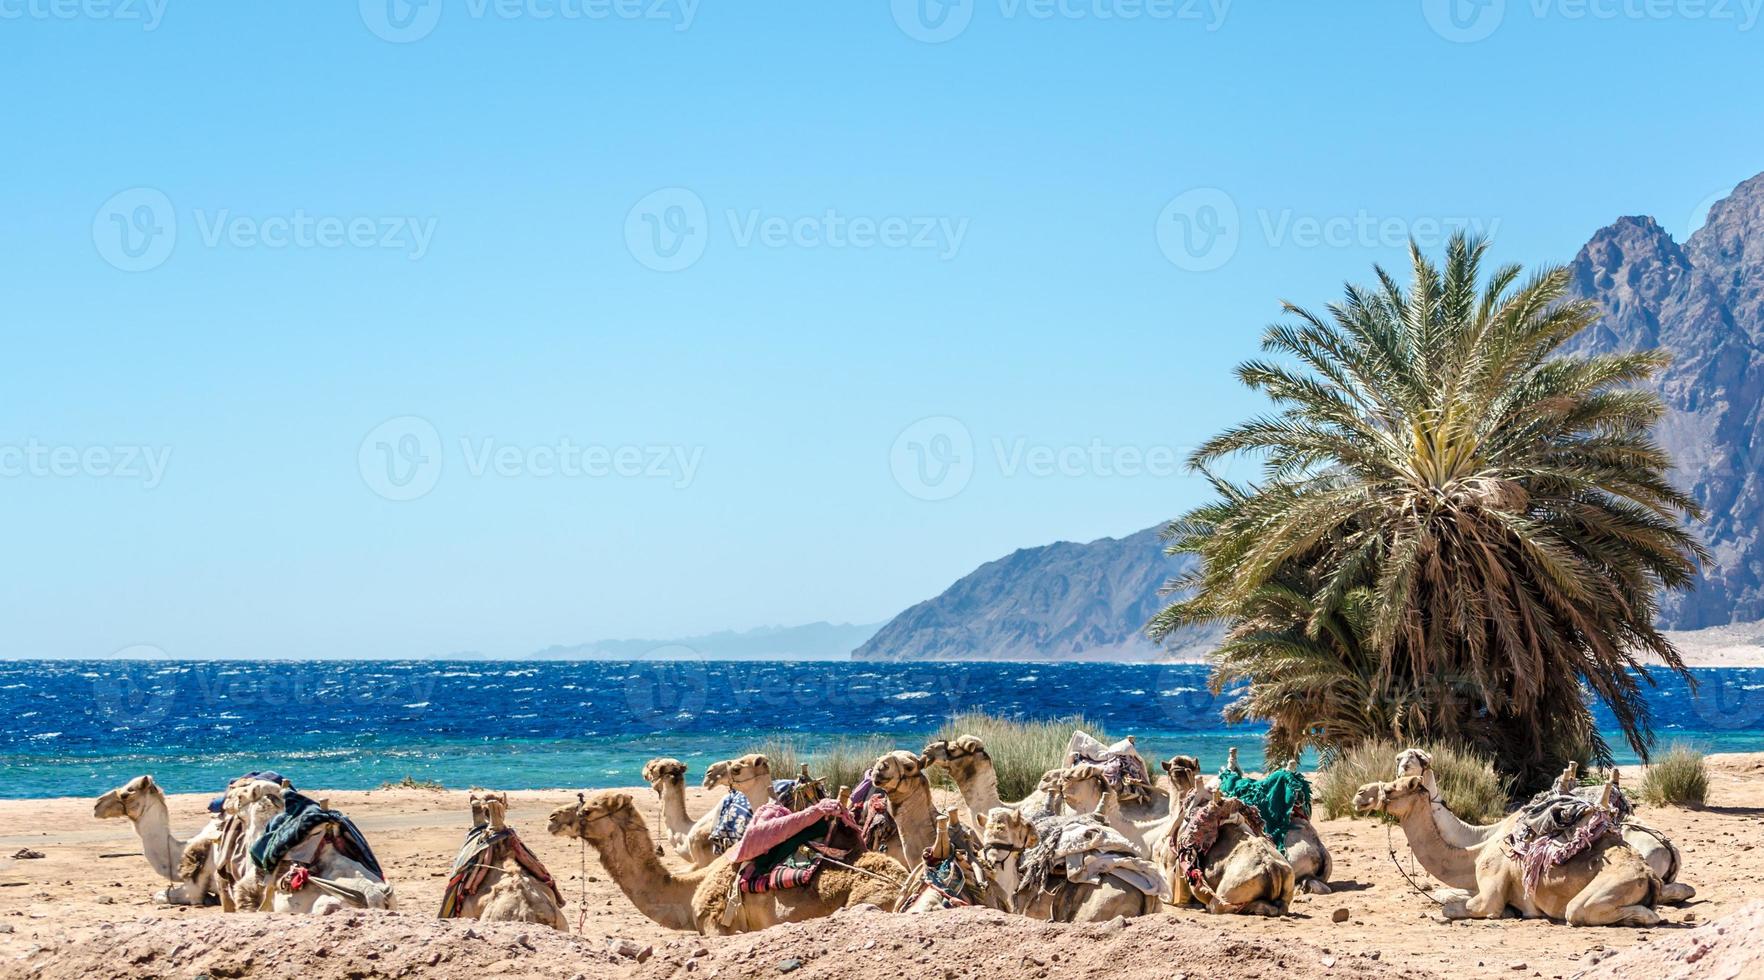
x: 1023, y: 751
x: 1467, y: 781
x: 1677, y: 777
x: 411, y: 782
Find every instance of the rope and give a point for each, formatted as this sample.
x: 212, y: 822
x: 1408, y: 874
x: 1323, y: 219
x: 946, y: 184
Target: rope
x: 1390, y: 844
x: 582, y: 905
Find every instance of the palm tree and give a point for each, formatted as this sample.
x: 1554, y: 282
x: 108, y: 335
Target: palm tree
x: 1468, y: 525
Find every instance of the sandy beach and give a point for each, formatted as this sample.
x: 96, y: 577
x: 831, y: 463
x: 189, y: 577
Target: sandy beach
x: 84, y: 910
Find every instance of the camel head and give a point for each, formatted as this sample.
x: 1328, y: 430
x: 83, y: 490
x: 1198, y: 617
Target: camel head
x: 717, y: 775
x: 1413, y: 762
x: 1007, y: 835
x: 1396, y: 798
x: 950, y: 754
x: 749, y: 769
x: 1184, y: 773
x: 128, y: 800
x: 894, y: 772
x: 1085, y: 789
x: 490, y: 808
x: 597, y: 817
x: 661, y: 774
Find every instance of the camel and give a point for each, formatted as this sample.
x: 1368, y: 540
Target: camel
x: 143, y: 803
x: 751, y: 776
x: 668, y: 778
x: 1605, y: 884
x: 1241, y: 872
x: 900, y: 775
x: 314, y: 875
x: 1085, y: 789
x: 509, y: 892
x: 1303, y: 846
x: 920, y: 896
x: 699, y: 851
x: 1009, y: 833
x: 1661, y: 855
x: 697, y: 900
x: 967, y: 763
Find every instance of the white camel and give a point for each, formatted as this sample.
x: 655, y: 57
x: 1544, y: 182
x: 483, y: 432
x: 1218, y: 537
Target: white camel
x: 143, y: 803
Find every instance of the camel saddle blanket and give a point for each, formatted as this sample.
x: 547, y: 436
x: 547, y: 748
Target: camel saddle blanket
x: 302, y: 818
x: 482, y: 853
x: 776, y: 825
x: 1082, y: 849
x: 960, y: 878
x: 1620, y: 804
x: 1280, y: 797
x: 1120, y: 764
x: 1553, y: 830
x: 1199, y: 831
x: 733, y: 815
x: 876, y: 820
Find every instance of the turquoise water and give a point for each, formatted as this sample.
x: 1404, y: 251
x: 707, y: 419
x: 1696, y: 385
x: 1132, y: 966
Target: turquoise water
x: 78, y: 728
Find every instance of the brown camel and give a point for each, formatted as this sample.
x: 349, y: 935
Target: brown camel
x: 1662, y: 856
x: 966, y: 761
x: 1605, y: 884
x: 1241, y: 872
x: 900, y: 775
x: 704, y: 900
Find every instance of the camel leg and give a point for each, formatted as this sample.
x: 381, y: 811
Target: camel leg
x: 1313, y: 886
x: 1612, y: 901
x: 1676, y: 893
x: 1489, y: 902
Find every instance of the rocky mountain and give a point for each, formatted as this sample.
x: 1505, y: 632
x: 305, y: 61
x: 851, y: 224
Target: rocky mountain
x: 1704, y: 302
x: 1063, y: 601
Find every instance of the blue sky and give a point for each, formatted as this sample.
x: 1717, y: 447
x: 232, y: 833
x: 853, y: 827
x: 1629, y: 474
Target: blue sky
x: 463, y: 327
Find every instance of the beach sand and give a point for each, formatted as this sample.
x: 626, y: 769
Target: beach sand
x: 84, y: 910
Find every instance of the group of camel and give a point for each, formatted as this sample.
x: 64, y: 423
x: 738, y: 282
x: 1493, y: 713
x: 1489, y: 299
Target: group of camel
x: 1073, y: 850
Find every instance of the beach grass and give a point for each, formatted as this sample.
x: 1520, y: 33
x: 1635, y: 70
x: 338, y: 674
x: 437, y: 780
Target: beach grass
x: 1467, y: 780
x: 1676, y: 777
x: 836, y: 762
x: 411, y: 782
x: 1022, y: 751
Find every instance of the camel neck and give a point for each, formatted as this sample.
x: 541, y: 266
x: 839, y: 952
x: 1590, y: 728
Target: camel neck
x: 1456, y: 866
x: 978, y: 781
x: 673, y: 803
x: 163, y: 851
x: 629, y: 859
x: 1451, y: 829
x: 758, y: 792
x: 915, y: 817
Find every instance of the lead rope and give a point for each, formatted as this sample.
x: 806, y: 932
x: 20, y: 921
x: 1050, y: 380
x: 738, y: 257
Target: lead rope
x: 582, y: 901
x: 1390, y: 844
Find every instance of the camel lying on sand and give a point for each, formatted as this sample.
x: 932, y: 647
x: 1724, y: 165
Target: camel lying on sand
x: 696, y: 901
x: 143, y: 803
x: 504, y: 890
x: 1303, y: 846
x: 1010, y: 833
x: 1241, y: 871
x: 1661, y: 855
x: 246, y: 810
x: 1085, y: 789
x: 1605, y: 884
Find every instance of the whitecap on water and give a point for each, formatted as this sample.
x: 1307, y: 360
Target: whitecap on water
x: 419, y: 704
x: 910, y: 695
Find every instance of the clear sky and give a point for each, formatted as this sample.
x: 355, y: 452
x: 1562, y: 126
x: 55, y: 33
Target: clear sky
x: 477, y: 325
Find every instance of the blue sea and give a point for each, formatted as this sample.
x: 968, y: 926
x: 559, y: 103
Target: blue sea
x: 72, y: 728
